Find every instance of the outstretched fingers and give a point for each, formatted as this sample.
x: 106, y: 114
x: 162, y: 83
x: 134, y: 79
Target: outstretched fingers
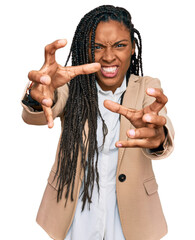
x: 51, y: 48
x: 49, y: 116
x: 41, y: 98
x: 154, y: 119
x: 73, y: 71
x: 46, y: 104
x: 117, y: 108
x: 141, y: 133
x: 142, y: 138
x: 160, y: 101
x: 132, y: 143
x: 39, y: 77
x: 139, y: 143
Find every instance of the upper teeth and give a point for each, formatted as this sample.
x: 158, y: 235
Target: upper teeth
x: 109, y: 69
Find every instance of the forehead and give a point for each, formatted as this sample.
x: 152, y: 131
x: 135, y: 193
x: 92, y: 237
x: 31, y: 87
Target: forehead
x: 111, y: 31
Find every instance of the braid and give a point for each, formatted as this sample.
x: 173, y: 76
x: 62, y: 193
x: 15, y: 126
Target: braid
x: 138, y: 60
x: 82, y: 104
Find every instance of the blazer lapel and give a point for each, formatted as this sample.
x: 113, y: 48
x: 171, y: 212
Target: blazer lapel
x: 129, y: 101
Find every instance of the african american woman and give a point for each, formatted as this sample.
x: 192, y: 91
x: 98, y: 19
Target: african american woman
x: 114, y: 122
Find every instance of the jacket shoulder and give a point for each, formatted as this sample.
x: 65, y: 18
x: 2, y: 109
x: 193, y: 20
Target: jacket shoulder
x: 145, y: 81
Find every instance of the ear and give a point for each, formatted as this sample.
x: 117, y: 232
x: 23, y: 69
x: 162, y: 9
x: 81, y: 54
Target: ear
x: 133, y: 48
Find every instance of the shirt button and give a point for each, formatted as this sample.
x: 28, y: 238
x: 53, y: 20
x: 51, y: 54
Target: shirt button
x: 122, y: 177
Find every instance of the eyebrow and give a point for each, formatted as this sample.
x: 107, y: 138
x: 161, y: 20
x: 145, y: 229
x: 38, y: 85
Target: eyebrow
x: 116, y: 43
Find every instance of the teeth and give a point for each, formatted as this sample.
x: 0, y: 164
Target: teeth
x: 109, y: 69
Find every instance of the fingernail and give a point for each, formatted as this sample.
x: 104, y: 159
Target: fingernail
x: 45, y: 102
x: 96, y: 64
x: 148, y: 118
x: 50, y: 124
x: 62, y: 41
x: 119, y: 145
x: 44, y: 79
x: 132, y: 132
x: 150, y: 90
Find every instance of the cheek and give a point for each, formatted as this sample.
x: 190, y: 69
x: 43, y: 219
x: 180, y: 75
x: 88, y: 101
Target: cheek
x: 127, y: 62
x: 97, y: 56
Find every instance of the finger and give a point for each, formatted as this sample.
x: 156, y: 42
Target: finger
x: 38, y: 77
x: 131, y: 143
x: 41, y: 98
x: 117, y: 108
x: 73, y: 71
x: 141, y: 133
x: 49, y: 116
x: 157, y: 120
x: 133, y: 115
x: 160, y: 101
x: 51, y: 48
x: 139, y: 143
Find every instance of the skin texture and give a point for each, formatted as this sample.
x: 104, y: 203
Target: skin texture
x: 113, y: 48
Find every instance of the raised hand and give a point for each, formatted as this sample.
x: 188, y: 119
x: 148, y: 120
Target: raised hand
x: 52, y: 75
x: 149, y: 131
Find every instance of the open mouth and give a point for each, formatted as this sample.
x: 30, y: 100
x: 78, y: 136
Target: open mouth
x: 109, y: 71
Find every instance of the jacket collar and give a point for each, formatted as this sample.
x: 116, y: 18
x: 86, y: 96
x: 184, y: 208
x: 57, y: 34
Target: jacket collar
x: 129, y: 101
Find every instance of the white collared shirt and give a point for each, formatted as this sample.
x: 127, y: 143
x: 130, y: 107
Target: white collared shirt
x: 102, y: 220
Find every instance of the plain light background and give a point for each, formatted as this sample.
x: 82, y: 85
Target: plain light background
x: 27, y: 152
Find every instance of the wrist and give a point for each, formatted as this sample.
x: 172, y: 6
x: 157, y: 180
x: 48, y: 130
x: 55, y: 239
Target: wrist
x: 30, y: 102
x: 162, y: 146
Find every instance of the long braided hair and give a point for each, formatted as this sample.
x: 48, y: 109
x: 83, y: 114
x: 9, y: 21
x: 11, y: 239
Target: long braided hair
x: 82, y: 104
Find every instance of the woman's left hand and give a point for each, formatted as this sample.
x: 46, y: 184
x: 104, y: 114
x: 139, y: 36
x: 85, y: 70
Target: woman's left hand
x: 149, y: 126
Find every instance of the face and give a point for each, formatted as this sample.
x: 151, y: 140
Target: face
x: 113, y: 50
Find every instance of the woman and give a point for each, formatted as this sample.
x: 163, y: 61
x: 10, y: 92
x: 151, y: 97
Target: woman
x: 99, y: 187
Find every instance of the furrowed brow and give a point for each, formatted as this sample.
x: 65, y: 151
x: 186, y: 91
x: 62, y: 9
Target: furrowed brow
x: 124, y: 40
x: 116, y: 43
x: 99, y: 44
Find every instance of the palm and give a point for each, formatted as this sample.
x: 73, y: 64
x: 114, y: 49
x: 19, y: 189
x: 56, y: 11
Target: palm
x: 137, y: 117
x: 54, y: 71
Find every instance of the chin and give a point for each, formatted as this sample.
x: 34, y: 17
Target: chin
x: 109, y: 84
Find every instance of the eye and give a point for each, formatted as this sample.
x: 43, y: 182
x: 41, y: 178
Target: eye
x: 97, y: 47
x: 120, y: 45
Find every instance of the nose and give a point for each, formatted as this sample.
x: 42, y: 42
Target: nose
x: 109, y: 55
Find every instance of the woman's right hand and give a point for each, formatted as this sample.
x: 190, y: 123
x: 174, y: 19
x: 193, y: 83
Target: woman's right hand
x: 52, y: 75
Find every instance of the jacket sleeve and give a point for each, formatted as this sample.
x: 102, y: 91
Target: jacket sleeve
x: 168, y: 144
x: 38, y: 118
